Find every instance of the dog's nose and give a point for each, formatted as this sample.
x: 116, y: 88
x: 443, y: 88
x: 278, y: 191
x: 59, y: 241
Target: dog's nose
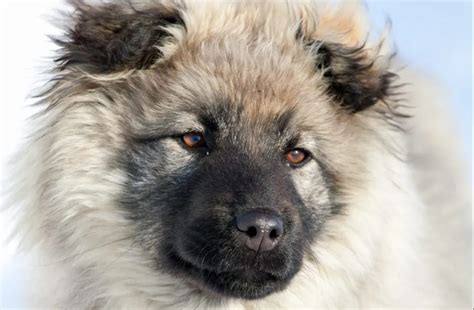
x: 263, y: 231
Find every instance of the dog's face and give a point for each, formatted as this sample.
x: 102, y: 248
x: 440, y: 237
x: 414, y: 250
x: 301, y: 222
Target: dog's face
x: 236, y: 141
x: 219, y: 183
x: 221, y: 195
x: 225, y: 214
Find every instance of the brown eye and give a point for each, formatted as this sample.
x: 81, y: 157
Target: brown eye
x: 296, y: 156
x: 193, y: 139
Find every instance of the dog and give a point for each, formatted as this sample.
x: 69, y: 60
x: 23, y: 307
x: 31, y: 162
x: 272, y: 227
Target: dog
x: 239, y: 155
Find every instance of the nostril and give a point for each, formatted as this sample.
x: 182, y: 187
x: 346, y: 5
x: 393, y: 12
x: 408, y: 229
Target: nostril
x: 251, y: 231
x: 274, y: 234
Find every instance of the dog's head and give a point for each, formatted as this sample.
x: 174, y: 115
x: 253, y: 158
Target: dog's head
x: 236, y: 130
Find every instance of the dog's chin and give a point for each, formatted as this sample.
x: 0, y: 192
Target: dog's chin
x: 244, y: 283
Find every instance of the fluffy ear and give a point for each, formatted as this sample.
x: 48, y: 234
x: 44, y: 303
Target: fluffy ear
x: 354, y: 77
x: 109, y: 37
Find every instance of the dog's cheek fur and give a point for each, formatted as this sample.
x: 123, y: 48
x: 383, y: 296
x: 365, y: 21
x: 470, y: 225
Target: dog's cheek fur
x: 317, y: 191
x: 150, y: 196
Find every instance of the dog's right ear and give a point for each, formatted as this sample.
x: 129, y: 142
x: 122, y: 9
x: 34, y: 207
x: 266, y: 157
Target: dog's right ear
x: 108, y: 38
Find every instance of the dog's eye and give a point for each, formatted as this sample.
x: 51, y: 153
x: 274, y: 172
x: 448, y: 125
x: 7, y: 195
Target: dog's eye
x: 193, y: 139
x: 296, y: 156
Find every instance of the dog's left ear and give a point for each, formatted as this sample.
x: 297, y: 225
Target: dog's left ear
x: 355, y: 76
x: 108, y: 38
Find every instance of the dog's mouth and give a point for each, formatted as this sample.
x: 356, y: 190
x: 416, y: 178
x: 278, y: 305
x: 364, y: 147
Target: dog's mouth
x: 246, y: 283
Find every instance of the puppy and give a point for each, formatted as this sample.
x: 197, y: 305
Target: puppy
x: 239, y: 155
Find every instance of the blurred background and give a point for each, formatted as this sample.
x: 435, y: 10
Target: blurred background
x: 435, y: 37
x: 432, y: 36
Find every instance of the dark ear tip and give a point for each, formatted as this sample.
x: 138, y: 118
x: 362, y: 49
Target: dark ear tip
x: 352, y: 77
x: 110, y: 37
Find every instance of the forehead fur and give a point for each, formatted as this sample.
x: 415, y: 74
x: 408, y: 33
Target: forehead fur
x: 256, y: 49
x: 341, y: 22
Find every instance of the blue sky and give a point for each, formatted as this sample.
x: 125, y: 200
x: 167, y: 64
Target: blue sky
x: 436, y: 37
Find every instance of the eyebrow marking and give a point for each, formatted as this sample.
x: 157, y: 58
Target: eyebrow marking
x: 283, y: 121
x: 209, y: 123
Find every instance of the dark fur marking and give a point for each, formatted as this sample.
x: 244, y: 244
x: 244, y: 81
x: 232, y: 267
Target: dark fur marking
x: 351, y: 77
x: 283, y: 120
x: 113, y: 37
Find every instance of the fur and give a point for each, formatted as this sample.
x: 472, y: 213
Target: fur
x: 387, y: 208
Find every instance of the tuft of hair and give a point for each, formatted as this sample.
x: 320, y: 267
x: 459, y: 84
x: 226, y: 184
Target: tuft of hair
x: 357, y: 74
x: 111, y: 37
